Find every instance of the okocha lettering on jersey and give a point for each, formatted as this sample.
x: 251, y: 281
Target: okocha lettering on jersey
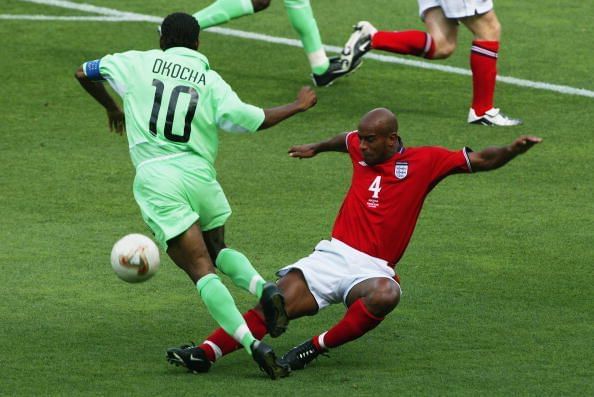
x: 177, y: 71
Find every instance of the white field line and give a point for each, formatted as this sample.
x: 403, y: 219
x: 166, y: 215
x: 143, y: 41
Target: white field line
x: 84, y: 7
x: 113, y: 15
x: 104, y: 18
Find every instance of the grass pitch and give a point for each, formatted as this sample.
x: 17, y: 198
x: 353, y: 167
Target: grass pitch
x: 497, y: 279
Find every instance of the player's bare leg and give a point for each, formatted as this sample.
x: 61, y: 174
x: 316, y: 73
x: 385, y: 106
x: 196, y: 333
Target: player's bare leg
x: 368, y: 303
x: 443, y: 31
x: 189, y: 252
x: 484, y: 27
x: 260, y: 5
x: 379, y: 295
x: 299, y: 300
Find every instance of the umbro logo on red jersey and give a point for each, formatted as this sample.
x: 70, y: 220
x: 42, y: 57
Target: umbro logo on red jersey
x: 401, y: 169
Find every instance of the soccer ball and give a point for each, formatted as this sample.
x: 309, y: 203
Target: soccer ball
x: 135, y: 258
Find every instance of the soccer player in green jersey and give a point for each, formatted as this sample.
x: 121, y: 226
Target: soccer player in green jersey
x: 174, y: 104
x: 324, y: 70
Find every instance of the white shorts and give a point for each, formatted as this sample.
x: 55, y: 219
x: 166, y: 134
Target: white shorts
x: 456, y: 9
x: 334, y: 268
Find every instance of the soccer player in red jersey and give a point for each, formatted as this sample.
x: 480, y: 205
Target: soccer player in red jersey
x: 371, y: 232
x: 442, y: 18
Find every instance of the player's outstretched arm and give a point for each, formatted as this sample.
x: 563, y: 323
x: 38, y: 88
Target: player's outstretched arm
x: 495, y: 157
x: 306, y: 98
x: 334, y: 144
x: 115, y: 116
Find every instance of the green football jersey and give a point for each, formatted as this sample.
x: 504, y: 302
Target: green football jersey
x: 174, y: 103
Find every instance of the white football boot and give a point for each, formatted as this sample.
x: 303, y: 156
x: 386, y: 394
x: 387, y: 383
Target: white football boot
x: 358, y: 44
x: 492, y: 117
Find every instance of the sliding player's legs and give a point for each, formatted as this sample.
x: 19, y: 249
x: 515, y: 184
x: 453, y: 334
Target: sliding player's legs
x: 338, y: 273
x: 299, y: 302
x: 368, y: 303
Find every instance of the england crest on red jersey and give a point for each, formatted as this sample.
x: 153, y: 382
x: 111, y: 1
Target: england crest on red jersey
x: 401, y: 169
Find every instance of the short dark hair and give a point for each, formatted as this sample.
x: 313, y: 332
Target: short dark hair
x: 179, y: 30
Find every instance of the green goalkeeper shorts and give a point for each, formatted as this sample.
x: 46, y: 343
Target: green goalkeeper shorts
x: 175, y: 192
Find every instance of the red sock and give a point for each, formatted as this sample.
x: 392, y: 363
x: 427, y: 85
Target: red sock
x: 356, y: 322
x: 483, y: 63
x: 219, y: 343
x: 410, y: 42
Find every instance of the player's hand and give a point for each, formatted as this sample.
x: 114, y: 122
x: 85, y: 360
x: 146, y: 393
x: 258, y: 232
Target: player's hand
x: 116, y: 121
x: 303, y: 151
x: 306, y: 98
x: 523, y: 143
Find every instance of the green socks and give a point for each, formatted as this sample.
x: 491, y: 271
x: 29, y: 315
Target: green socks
x: 221, y: 306
x: 218, y: 300
x: 222, y: 11
x: 304, y: 23
x: 238, y: 268
x: 300, y: 16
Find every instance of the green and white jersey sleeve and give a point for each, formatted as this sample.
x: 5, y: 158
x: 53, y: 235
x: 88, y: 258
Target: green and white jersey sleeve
x: 174, y: 103
x: 232, y: 115
x: 116, y: 68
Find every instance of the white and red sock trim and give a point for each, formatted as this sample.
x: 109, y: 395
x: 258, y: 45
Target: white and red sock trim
x: 321, y: 341
x: 428, y: 43
x: 216, y: 349
x: 483, y: 51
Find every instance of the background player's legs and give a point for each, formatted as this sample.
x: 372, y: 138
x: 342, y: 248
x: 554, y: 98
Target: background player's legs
x: 483, y: 63
x: 443, y: 31
x: 483, y: 59
x: 484, y: 27
x: 189, y: 252
x: 222, y: 11
x: 368, y: 302
x: 299, y: 302
x: 300, y: 14
x: 437, y: 43
x: 303, y: 21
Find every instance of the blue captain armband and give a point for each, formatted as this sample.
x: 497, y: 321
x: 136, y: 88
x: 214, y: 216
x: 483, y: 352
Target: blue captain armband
x: 91, y: 70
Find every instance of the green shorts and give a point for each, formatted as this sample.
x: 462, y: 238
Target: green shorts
x: 175, y: 192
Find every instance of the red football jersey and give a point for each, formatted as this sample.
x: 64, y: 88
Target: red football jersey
x: 381, y: 208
